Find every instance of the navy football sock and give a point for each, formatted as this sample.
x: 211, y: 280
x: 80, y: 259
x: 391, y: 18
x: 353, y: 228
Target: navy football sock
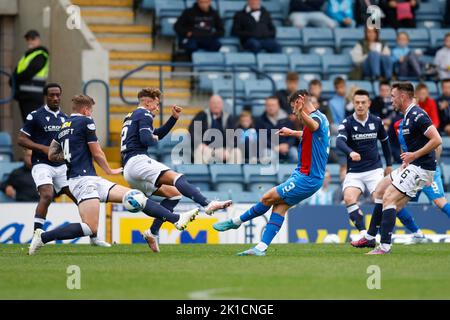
x: 356, y: 217
x: 155, y: 210
x: 69, y: 231
x: 407, y: 220
x: 375, y: 222
x: 190, y: 191
x: 38, y: 222
x: 169, y: 204
x: 387, y: 224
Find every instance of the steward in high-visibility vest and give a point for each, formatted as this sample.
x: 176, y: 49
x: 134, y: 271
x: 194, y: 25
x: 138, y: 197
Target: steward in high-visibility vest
x: 31, y: 74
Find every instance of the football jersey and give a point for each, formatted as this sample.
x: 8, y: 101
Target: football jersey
x: 42, y: 126
x: 75, y: 135
x: 314, y: 148
x: 362, y: 137
x: 414, y: 126
x: 134, y: 122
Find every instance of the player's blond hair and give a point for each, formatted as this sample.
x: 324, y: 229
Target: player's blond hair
x: 81, y: 100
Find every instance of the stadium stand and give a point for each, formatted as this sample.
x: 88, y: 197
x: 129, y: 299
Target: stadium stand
x: 6, y: 153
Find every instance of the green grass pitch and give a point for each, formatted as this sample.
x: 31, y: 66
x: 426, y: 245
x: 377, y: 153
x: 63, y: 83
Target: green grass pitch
x: 289, y: 271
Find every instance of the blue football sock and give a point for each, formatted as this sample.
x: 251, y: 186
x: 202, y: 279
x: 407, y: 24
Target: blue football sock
x: 375, y: 222
x: 155, y: 210
x: 272, y: 228
x: 407, y: 220
x: 255, y: 211
x: 169, y: 204
x: 387, y: 225
x: 446, y: 209
x: 68, y: 231
x: 190, y: 191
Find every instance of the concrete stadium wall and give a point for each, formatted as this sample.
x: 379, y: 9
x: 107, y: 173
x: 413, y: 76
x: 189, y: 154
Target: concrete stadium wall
x: 75, y: 55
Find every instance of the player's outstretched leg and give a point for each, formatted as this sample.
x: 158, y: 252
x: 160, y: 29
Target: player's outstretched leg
x: 234, y: 223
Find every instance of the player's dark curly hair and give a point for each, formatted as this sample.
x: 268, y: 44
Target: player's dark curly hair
x: 51, y: 85
x: 152, y: 93
x: 293, y: 97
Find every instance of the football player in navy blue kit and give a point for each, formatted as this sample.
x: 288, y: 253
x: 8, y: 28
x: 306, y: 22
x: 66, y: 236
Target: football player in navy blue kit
x: 419, y: 165
x: 149, y: 175
x: 358, y: 137
x: 77, y: 145
x: 40, y: 128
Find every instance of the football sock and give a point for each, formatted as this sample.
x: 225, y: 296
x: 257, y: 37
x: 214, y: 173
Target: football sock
x: 169, y: 204
x: 190, y: 191
x: 407, y: 220
x: 69, y: 231
x: 446, y: 209
x: 155, y: 210
x: 375, y: 222
x: 272, y: 228
x: 38, y: 223
x: 255, y: 211
x: 387, y: 224
x: 356, y: 216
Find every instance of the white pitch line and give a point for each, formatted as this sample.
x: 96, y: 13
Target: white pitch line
x: 214, y: 294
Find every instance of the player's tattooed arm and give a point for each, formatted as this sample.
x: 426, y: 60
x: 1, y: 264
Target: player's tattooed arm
x: 55, y: 152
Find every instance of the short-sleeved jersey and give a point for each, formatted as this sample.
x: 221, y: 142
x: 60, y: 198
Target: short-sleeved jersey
x: 74, y: 137
x: 362, y: 137
x: 314, y: 148
x: 42, y: 126
x: 415, y: 124
x: 139, y: 119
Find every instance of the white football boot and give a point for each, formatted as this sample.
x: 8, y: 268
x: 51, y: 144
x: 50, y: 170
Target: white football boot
x: 215, y: 205
x: 99, y: 243
x: 151, y: 240
x: 36, y: 242
x: 185, y: 218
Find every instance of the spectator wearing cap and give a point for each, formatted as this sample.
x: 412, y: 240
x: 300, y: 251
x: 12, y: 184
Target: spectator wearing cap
x: 31, y: 74
x: 199, y: 27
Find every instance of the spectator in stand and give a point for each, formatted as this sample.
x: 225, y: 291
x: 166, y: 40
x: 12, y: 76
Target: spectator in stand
x: 371, y: 57
x: 213, y: 118
x: 275, y: 118
x: 381, y: 105
x: 305, y: 13
x: 341, y: 11
x: 406, y: 62
x: 254, y: 27
x: 315, y: 89
x: 324, y: 196
x: 248, y: 139
x: 338, y: 101
x: 199, y: 27
x: 443, y: 106
x: 20, y: 184
x: 427, y: 103
x: 442, y: 58
x: 292, y: 82
x: 400, y: 13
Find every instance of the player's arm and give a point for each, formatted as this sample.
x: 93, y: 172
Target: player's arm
x: 26, y: 132
x: 100, y: 158
x: 55, y: 152
x: 312, y: 123
x: 434, y: 141
x: 386, y: 147
x: 287, y: 132
x: 341, y: 143
x: 162, y: 131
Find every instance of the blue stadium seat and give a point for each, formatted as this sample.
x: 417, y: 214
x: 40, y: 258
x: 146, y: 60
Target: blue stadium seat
x: 260, y: 187
x: 240, y: 59
x: 190, y: 3
x: 432, y: 88
x: 389, y: 36
x: 148, y: 4
x: 327, y: 89
x: 347, y: 37
x: 258, y: 89
x: 320, y: 50
x: 429, y: 11
x: 446, y: 171
x: 317, y: 37
x: 199, y: 58
x: 275, y: 10
x: 227, y: 177
x: 173, y: 8
x: 365, y: 85
x: 305, y: 78
x: 280, y: 80
x: 5, y: 198
x: 273, y: 62
x: 197, y: 174
x: 228, y: 25
x: 437, y: 37
x: 214, y: 195
x: 306, y: 63
x: 289, y: 37
x: 336, y: 64
x: 428, y: 24
x: 333, y: 168
x: 284, y: 172
x: 245, y: 197
x: 227, y: 9
x: 5, y: 147
x: 7, y: 167
x: 419, y: 38
x: 229, y: 44
x: 224, y: 88
x: 258, y: 173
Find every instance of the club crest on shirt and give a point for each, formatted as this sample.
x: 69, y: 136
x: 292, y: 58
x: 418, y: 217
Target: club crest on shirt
x: 371, y: 126
x: 48, y: 118
x: 63, y: 120
x: 356, y: 128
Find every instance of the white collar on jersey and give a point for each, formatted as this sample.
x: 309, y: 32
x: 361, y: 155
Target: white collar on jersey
x: 363, y: 123
x: 409, y: 108
x: 50, y: 110
x: 77, y: 115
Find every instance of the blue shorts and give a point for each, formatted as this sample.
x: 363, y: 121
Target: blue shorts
x: 298, y: 187
x: 435, y: 191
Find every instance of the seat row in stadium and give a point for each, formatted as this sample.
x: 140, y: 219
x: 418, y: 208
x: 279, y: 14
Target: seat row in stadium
x: 6, y: 152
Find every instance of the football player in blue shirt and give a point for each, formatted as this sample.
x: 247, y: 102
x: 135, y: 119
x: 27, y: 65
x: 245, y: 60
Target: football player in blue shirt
x: 40, y: 128
x: 149, y: 175
x: 306, y: 179
x: 358, y: 137
x: 77, y: 145
x: 418, y: 169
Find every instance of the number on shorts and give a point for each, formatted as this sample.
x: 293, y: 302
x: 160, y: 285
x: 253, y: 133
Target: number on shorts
x: 405, y: 173
x: 123, y: 135
x: 289, y: 187
x: 66, y: 150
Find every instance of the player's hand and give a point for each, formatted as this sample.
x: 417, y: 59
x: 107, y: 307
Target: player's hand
x: 355, y: 156
x: 299, y: 104
x: 116, y: 171
x: 387, y: 170
x: 176, y: 111
x: 10, y: 192
x: 45, y: 149
x: 408, y: 157
x: 285, y: 132
x: 155, y: 137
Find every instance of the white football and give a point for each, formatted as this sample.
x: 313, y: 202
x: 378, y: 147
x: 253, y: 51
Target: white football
x: 134, y: 200
x: 331, y: 238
